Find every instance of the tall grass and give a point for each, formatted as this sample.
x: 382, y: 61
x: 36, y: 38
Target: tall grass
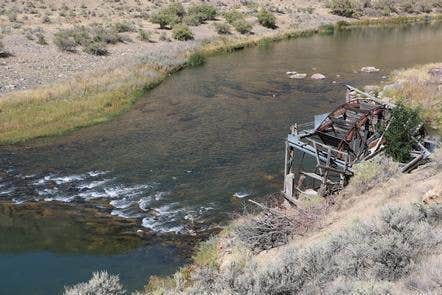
x: 85, y: 101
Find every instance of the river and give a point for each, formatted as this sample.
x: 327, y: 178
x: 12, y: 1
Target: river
x: 170, y: 166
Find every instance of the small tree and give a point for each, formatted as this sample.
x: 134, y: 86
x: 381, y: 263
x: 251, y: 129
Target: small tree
x: 266, y: 19
x: 203, y: 12
x: 182, y: 32
x: 404, y: 121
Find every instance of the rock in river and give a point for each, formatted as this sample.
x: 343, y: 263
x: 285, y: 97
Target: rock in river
x: 369, y: 70
x: 298, y: 76
x: 318, y: 76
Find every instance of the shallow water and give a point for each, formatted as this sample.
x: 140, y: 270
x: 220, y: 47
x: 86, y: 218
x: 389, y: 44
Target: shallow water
x: 175, y: 162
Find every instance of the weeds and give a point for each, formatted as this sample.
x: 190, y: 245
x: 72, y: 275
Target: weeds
x: 222, y: 28
x: 101, y: 283
x: 182, y: 32
x: 267, y: 19
x: 144, y: 35
x: 195, y: 59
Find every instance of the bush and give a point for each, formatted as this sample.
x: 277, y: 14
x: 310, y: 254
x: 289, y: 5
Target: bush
x: 101, y: 283
x: 403, y: 124
x: 242, y: 26
x: 267, y: 19
x: 169, y: 16
x: 64, y: 41
x: 196, y: 59
x: 207, y: 253
x: 222, y: 28
x: 365, y: 258
x: 41, y: 39
x: 233, y: 15
x: 182, y: 32
x: 347, y: 8
x: 144, y: 35
x: 122, y: 27
x: 370, y: 173
x: 202, y: 12
x: 3, y: 52
x: 96, y: 48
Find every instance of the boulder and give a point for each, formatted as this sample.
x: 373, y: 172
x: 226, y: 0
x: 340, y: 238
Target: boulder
x: 369, y: 70
x: 318, y: 76
x: 298, y: 76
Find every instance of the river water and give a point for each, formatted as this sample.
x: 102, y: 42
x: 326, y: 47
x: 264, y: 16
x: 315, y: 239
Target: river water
x: 172, y: 165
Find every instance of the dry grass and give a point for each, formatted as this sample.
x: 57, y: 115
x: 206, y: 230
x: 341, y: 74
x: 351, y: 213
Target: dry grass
x: 85, y: 101
x: 419, y: 88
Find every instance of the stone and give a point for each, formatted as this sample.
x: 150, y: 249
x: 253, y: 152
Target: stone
x: 318, y: 76
x: 291, y: 73
x: 298, y: 76
x: 436, y: 72
x: 370, y: 70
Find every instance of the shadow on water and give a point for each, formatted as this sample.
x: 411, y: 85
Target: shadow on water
x: 206, y: 133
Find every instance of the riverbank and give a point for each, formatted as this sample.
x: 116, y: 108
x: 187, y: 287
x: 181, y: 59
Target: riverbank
x: 99, y: 97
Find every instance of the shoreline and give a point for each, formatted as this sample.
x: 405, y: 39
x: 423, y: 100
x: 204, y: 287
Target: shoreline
x: 64, y: 107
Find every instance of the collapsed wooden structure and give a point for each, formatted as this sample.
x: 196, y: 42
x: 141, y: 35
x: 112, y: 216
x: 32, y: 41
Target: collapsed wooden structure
x: 351, y: 133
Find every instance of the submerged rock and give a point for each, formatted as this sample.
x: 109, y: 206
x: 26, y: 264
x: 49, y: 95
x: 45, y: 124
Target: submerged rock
x: 318, y: 76
x: 369, y: 70
x: 298, y: 76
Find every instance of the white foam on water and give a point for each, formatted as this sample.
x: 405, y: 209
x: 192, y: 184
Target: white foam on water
x: 68, y: 179
x: 160, y: 195
x: 60, y: 199
x: 91, y: 195
x: 97, y: 173
x: 18, y: 201
x: 241, y: 194
x: 154, y: 225
x: 125, y: 214
x: 7, y: 191
x: 115, y: 192
x: 47, y: 191
x: 121, y: 204
x: 144, y: 203
x: 94, y: 184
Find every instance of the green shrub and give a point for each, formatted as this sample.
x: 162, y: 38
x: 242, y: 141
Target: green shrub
x: 326, y: 29
x: 222, y: 28
x: 96, y: 48
x: 403, y: 123
x: 182, y: 32
x: 64, y: 41
x: 242, y: 26
x: 233, y: 15
x: 41, y: 39
x: 196, y: 59
x: 100, y: 283
x: 144, y: 35
x: 202, y: 12
x: 347, y: 8
x: 169, y: 16
x: 266, y: 19
x: 207, y: 253
x: 122, y: 27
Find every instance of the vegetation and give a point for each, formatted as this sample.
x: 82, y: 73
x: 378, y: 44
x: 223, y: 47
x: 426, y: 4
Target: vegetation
x: 182, y: 32
x: 169, y: 16
x: 233, y: 15
x: 242, y: 26
x: 418, y: 87
x: 403, y: 125
x: 56, y: 109
x: 195, y: 59
x: 222, y: 28
x: 357, y: 8
x: 144, y: 35
x: 207, y: 253
x: 267, y: 19
x: 3, y: 52
x: 101, y: 283
x: 93, y: 39
x: 368, y: 174
x: 370, y: 257
x: 202, y: 12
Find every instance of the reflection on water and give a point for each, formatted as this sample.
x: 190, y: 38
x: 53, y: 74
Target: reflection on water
x: 213, y: 131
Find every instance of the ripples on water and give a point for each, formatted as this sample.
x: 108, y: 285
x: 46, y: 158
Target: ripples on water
x: 144, y: 202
